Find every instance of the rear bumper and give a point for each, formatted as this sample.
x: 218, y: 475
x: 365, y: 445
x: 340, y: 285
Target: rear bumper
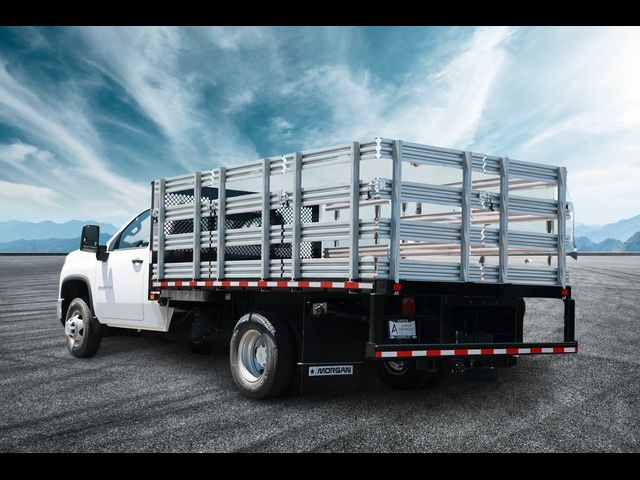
x: 467, y: 350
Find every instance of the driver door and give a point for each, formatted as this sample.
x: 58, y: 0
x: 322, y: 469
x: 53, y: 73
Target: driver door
x: 122, y: 278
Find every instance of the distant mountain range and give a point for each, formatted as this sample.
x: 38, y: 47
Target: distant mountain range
x: 632, y: 244
x: 47, y: 236
x: 621, y: 230
x: 584, y: 244
x: 621, y: 236
x: 16, y: 230
x: 47, y: 245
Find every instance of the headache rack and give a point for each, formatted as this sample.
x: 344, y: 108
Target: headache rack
x: 360, y: 212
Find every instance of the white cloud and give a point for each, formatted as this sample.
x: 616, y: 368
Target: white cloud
x: 356, y: 107
x: 591, y: 87
x: 235, y: 38
x: 280, y: 130
x: 280, y: 123
x: 147, y: 62
x: 79, y: 169
x: 40, y: 120
x: 582, y: 110
x: 19, y: 154
x: 239, y: 100
x: 19, y: 195
x: 605, y: 194
x: 566, y: 96
x: 550, y: 132
x: 156, y: 67
x: 444, y: 107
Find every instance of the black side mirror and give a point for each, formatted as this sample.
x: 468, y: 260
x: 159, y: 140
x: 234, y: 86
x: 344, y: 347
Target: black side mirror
x: 102, y: 253
x: 90, y: 242
x: 90, y: 238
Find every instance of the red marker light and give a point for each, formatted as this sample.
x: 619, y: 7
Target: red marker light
x: 408, y: 306
x: 397, y: 287
x: 564, y: 292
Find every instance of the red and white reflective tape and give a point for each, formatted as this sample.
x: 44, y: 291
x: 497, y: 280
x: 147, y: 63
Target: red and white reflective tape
x: 465, y: 352
x: 265, y: 284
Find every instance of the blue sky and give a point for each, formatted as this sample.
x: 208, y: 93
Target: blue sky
x: 89, y: 116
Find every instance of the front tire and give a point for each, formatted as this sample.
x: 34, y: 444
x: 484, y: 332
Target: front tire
x: 82, y: 341
x: 262, y: 356
x: 402, y: 374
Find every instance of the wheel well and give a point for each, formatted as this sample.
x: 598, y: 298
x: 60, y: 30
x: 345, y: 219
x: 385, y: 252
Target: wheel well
x: 294, y: 328
x: 287, y: 316
x: 74, y: 288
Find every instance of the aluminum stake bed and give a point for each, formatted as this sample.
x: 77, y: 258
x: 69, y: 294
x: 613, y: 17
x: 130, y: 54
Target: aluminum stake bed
x: 416, y: 257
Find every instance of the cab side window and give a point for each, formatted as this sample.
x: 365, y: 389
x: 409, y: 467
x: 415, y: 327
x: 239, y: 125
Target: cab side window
x: 136, y: 235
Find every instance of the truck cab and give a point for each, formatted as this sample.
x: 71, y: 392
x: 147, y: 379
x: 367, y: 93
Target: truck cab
x: 113, y: 281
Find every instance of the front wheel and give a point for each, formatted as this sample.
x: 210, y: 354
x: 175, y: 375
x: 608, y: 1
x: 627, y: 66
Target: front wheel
x: 82, y: 341
x: 262, y: 355
x: 402, y: 374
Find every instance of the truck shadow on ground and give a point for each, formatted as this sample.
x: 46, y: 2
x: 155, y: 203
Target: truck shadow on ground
x: 143, y: 349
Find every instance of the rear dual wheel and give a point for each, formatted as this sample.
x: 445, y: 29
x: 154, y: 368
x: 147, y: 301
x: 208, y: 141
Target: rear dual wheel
x: 403, y: 374
x: 262, y: 355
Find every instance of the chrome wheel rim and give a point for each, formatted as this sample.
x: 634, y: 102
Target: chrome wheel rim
x: 252, y: 355
x: 74, y: 330
x: 396, y: 367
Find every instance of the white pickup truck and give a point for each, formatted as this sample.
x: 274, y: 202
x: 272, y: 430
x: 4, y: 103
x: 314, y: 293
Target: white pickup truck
x: 420, y: 277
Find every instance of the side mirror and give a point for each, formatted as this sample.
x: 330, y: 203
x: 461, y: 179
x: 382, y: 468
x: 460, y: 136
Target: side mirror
x: 90, y: 238
x: 90, y: 242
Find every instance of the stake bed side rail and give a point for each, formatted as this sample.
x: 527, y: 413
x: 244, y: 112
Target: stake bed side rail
x: 209, y: 227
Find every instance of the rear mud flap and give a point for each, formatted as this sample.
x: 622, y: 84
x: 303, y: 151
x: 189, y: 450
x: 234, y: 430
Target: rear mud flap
x: 329, y: 376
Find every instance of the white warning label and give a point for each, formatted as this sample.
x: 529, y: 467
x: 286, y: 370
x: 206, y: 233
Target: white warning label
x: 402, y: 329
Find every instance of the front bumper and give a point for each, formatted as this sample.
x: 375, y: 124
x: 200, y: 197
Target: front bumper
x: 59, y: 308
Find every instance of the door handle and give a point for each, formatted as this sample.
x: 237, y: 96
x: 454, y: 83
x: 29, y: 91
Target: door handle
x: 137, y: 260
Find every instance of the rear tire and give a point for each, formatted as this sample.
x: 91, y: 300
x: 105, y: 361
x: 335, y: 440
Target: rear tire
x: 402, y: 374
x: 82, y: 340
x: 262, y: 355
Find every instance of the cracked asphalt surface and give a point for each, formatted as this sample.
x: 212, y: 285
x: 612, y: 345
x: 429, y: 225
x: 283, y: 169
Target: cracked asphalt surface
x: 144, y: 393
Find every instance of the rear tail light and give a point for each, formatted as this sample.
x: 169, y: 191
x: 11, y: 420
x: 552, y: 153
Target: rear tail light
x: 408, y: 306
x: 154, y: 295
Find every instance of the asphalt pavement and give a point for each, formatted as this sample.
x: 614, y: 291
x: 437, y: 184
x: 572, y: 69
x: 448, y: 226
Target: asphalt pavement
x: 144, y: 393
